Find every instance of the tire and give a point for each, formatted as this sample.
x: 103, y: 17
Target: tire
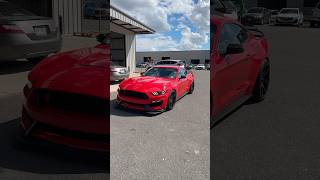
x: 171, y: 101
x: 262, y: 82
x: 191, y: 88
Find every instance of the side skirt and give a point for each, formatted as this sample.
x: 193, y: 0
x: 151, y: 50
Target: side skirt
x: 227, y: 111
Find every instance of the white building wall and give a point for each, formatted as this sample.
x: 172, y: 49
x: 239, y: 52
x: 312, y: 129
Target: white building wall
x: 130, y: 39
x: 202, y: 55
x: 71, y: 13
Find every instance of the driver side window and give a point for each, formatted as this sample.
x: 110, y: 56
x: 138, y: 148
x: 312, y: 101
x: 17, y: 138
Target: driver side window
x: 182, y: 72
x: 231, y: 34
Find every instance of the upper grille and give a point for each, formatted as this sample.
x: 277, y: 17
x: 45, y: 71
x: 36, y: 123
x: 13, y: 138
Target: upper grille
x: 72, y: 102
x: 133, y: 94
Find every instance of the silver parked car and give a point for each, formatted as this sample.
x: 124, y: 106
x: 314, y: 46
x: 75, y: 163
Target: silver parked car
x: 26, y: 35
x: 200, y: 67
x: 117, y: 72
x: 292, y: 16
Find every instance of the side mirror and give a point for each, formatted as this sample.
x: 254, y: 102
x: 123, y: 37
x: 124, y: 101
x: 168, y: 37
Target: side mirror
x: 234, y: 49
x: 183, y: 77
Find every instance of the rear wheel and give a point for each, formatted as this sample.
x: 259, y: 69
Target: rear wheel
x: 171, y: 101
x: 262, y: 82
x: 191, y: 88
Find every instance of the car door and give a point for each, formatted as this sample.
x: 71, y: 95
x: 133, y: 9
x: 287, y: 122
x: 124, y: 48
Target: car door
x: 230, y: 69
x: 182, y: 82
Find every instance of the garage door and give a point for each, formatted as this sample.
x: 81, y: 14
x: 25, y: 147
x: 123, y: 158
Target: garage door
x: 118, y: 49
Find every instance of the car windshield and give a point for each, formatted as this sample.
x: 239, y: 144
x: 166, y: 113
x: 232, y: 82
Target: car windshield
x: 162, y: 72
x: 229, y: 5
x: 9, y: 9
x: 255, y: 10
x: 289, y: 11
x: 216, y: 4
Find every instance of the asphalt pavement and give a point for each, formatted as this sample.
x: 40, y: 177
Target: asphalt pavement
x: 279, y: 138
x: 172, y: 145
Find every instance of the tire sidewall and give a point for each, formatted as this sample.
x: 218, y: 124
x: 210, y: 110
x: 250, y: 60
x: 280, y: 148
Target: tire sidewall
x: 172, y: 95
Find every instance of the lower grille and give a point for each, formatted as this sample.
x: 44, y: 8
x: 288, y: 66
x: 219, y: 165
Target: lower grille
x: 71, y: 102
x: 133, y: 94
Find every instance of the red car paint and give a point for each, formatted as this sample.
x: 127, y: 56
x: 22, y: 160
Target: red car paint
x: 145, y: 85
x: 233, y: 76
x: 67, y: 99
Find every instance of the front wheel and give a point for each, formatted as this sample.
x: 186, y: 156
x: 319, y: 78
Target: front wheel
x: 262, y: 82
x: 171, y: 101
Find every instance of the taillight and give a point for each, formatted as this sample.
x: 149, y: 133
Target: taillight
x: 10, y: 28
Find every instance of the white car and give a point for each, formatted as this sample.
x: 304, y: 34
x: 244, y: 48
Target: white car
x: 315, y: 21
x: 290, y: 16
x: 200, y: 67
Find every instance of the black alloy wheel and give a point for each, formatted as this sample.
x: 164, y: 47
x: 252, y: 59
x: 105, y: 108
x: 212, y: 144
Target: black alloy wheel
x: 191, y: 88
x: 262, y: 82
x: 171, y: 101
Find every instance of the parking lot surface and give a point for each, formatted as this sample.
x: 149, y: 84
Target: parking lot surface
x: 172, y: 145
x: 277, y: 138
x: 19, y: 162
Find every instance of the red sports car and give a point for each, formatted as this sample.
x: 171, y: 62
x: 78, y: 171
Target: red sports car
x: 67, y: 100
x: 240, y: 66
x: 157, y: 89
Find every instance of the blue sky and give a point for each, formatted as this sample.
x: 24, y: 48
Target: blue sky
x: 179, y: 24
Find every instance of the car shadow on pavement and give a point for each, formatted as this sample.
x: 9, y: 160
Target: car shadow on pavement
x: 11, y: 67
x: 116, y: 110
x: 41, y: 160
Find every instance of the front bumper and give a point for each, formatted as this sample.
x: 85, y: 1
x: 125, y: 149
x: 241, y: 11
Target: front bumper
x: 252, y: 20
x: 155, y: 104
x: 287, y: 22
x: 37, y: 131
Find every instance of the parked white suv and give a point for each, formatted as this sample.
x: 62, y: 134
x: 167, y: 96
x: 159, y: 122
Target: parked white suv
x: 290, y: 16
x: 315, y: 21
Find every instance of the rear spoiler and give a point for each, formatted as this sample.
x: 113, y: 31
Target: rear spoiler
x: 255, y: 31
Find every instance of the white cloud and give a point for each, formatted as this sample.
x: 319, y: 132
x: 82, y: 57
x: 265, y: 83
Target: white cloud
x: 156, y: 13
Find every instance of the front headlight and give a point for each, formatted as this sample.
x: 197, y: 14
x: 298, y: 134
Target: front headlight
x: 158, y: 93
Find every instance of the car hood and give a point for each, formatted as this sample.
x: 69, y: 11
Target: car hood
x: 83, y: 71
x: 288, y: 15
x: 146, y: 84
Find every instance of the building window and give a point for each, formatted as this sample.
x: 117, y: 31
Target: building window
x: 310, y: 3
x: 195, y: 61
x: 207, y: 61
x: 146, y: 59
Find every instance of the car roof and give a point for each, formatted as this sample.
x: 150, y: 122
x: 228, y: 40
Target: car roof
x: 177, y: 60
x: 291, y: 8
x: 167, y: 66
